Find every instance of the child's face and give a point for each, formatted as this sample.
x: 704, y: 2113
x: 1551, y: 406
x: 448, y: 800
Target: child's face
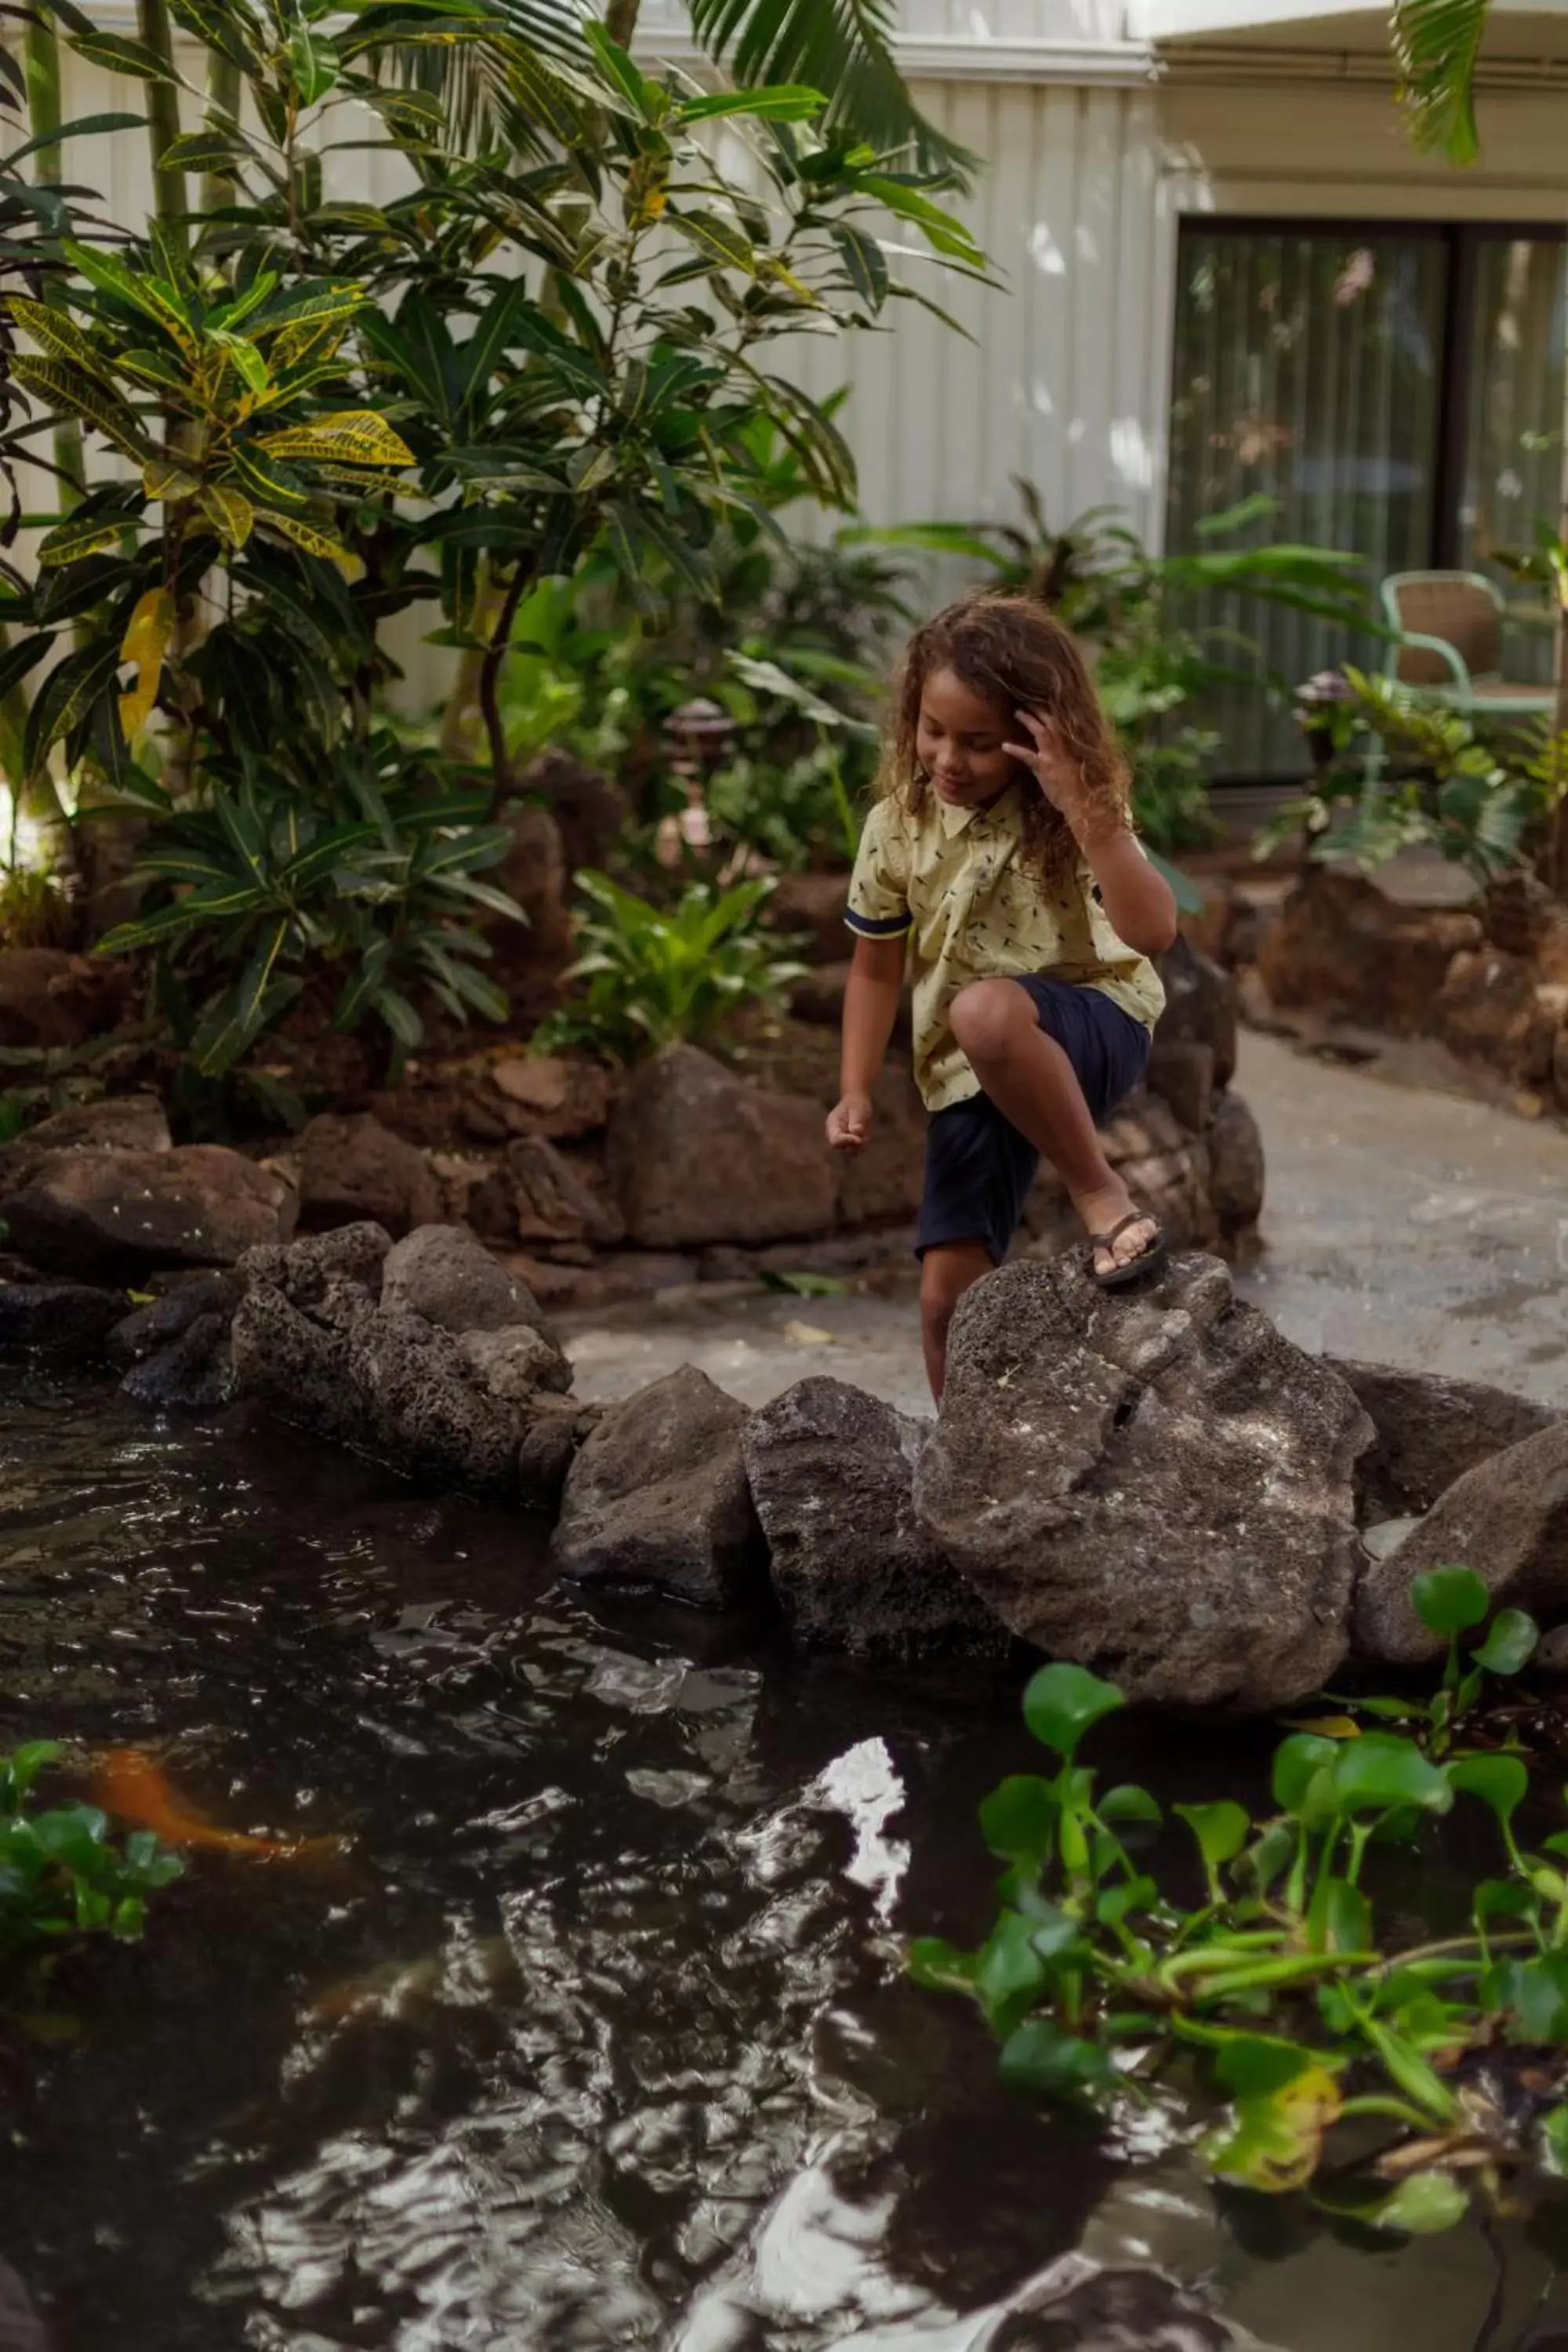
x: 958, y: 742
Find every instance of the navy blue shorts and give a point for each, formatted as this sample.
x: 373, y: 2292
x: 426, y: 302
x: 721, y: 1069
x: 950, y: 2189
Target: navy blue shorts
x: 979, y: 1168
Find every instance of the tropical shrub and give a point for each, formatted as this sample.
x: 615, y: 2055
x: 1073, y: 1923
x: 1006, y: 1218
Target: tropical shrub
x: 62, y: 1875
x: 665, y: 977
x: 1290, y: 1985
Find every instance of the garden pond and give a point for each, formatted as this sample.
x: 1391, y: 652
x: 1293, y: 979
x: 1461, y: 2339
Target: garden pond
x: 593, y: 2032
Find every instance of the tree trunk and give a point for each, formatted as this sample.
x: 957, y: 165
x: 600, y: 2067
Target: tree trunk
x: 224, y: 95
x: 169, y: 200
x: 43, y: 71
x: 621, y: 21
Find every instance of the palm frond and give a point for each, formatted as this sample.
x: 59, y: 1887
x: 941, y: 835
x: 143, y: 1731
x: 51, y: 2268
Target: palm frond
x: 1436, y: 48
x: 843, y: 47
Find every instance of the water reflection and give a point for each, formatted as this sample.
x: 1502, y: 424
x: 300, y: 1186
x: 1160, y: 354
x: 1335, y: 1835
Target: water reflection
x: 600, y: 2039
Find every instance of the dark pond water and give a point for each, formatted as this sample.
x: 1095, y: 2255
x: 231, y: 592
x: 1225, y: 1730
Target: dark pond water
x: 597, y: 2037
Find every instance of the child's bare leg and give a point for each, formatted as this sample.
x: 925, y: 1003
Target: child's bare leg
x: 1032, y: 1082
x: 946, y: 1273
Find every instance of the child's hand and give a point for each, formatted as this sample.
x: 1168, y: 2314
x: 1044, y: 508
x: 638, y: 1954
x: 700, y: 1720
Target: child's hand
x: 1052, y: 767
x: 849, y: 1122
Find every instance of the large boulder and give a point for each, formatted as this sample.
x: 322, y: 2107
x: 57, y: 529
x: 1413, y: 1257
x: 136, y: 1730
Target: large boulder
x: 1153, y: 1482
x: 294, y: 1359
x: 306, y: 1270
x: 49, y: 999
x: 657, y: 1499
x: 1340, y: 947
x: 122, y: 1123
x: 1200, y: 1006
x: 1507, y: 1518
x: 426, y: 1407
x: 695, y: 1154
x: 68, y: 1319
x: 1491, y: 1009
x: 832, y: 1477
x: 442, y: 1273
x: 113, y: 1216
x: 880, y: 1183
x: 1236, y: 1170
x: 352, y: 1170
x: 1430, y: 1430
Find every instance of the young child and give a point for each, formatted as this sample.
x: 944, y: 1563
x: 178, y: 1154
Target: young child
x: 1001, y: 859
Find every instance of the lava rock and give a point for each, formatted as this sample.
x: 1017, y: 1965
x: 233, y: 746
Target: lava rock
x: 306, y: 1269
x: 445, y: 1275
x: 1430, y: 1430
x: 124, y: 1123
x: 1507, y: 1518
x: 425, y: 1407
x: 514, y: 1363
x: 112, y: 1216
x: 557, y: 1426
x: 1340, y: 947
x: 192, y: 1374
x: 49, y: 999
x: 352, y: 1170
x: 1236, y: 1170
x: 1153, y: 1482
x: 658, y: 1497
x: 297, y: 1362
x: 1200, y: 1006
x: 1181, y: 1072
x: 147, y: 1329
x: 551, y: 1200
x: 696, y: 1155
x: 70, y: 1320
x: 832, y: 1475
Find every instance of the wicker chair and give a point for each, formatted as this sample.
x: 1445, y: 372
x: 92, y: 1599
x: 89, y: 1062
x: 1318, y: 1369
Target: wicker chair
x: 1449, y: 643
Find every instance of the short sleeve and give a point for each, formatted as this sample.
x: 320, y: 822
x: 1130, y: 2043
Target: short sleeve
x: 879, y: 889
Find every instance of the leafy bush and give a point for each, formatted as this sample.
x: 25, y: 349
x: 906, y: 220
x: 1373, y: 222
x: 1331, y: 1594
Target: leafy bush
x: 61, y: 1874
x: 1475, y: 791
x: 1286, y: 1983
x: 657, y: 978
x: 363, y: 867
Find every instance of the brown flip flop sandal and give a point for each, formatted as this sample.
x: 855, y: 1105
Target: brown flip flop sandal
x: 1147, y: 1262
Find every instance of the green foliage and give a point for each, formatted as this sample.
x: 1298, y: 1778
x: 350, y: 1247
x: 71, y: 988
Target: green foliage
x: 367, y: 870
x: 1453, y: 1602
x: 1474, y: 790
x: 62, y: 1875
x: 664, y: 977
x: 1286, y: 1986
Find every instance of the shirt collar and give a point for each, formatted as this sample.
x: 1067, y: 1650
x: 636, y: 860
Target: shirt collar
x: 956, y: 820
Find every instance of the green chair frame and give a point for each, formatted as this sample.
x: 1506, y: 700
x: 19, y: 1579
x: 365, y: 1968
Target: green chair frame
x: 1466, y: 693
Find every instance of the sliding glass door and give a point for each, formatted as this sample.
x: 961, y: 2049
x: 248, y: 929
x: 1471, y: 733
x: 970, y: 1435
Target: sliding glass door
x: 1396, y: 390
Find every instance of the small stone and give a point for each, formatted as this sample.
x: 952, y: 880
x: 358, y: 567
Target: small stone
x: 1236, y: 1166
x: 123, y: 1123
x: 657, y: 1499
x: 149, y: 1329
x: 515, y: 1362
x: 442, y: 1273
x: 1386, y: 1536
x: 58, y: 1318
x: 539, y: 1082
x: 192, y: 1374
x: 1529, y: 1105
x: 353, y: 1168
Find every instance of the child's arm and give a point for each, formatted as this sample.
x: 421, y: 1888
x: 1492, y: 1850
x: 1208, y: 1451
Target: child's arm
x: 1138, y: 901
x: 870, y: 1008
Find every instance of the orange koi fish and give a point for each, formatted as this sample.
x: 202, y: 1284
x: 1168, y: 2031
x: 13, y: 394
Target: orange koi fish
x: 132, y: 1786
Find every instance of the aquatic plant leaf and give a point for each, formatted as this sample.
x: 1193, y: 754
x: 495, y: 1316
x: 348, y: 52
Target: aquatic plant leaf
x: 1499, y: 1781
x: 1537, y: 1992
x: 1450, y: 1600
x: 1276, y: 2137
x: 1132, y: 1895
x: 1414, y: 2073
x: 1061, y: 1702
x: 1296, y: 1761
x: 1221, y: 1828
x: 1382, y: 1769
x: 1259, y: 2066
x: 1011, y: 1970
x: 1424, y: 2205
x: 940, y: 1966
x: 1041, y: 2058
x: 1264, y: 1860
x: 1510, y: 1642
x: 1347, y: 1918
x: 1555, y: 2139
x: 1018, y: 1818
x: 1130, y: 1806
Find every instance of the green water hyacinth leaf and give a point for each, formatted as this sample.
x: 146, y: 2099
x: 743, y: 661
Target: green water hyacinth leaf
x: 1510, y: 1644
x: 1041, y: 2058
x: 1380, y: 1769
x: 1221, y: 1830
x: 1450, y: 1600
x: 1423, y: 2206
x: 1277, y: 2137
x: 1018, y: 1820
x: 1061, y: 1702
x: 1130, y: 1807
x: 1297, y: 1762
x: 1011, y: 1970
x: 1499, y: 1781
x: 1554, y: 2140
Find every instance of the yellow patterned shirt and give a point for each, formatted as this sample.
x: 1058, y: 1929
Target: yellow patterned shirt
x: 949, y: 878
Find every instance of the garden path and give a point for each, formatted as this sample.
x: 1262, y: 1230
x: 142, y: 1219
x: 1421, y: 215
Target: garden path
x: 1402, y: 1225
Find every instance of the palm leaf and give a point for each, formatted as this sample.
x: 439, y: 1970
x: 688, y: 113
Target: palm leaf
x: 1436, y: 48
x: 842, y: 46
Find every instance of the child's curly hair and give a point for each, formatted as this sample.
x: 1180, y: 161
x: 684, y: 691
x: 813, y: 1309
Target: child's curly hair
x: 1015, y: 653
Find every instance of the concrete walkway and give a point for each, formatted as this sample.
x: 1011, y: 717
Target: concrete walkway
x: 1401, y: 1226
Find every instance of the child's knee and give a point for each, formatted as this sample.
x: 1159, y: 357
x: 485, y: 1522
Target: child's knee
x: 988, y: 1018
